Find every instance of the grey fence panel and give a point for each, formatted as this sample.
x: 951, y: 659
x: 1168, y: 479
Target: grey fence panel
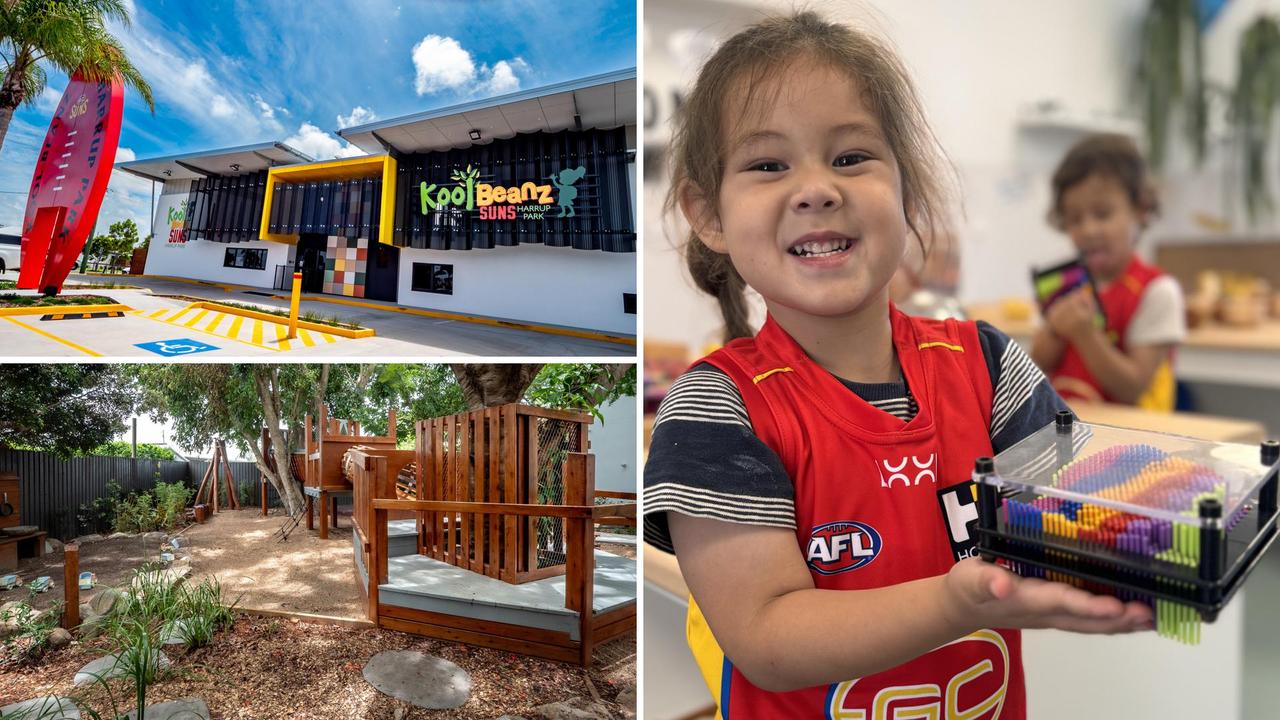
x: 54, y: 488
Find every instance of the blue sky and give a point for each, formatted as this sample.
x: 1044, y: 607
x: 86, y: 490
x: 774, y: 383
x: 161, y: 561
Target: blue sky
x: 234, y: 72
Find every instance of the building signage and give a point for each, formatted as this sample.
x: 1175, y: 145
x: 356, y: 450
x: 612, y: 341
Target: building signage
x: 177, y: 219
x: 528, y: 200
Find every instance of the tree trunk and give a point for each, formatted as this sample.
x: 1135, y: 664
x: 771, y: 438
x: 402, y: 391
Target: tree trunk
x: 282, y: 479
x: 491, y: 385
x: 11, y: 95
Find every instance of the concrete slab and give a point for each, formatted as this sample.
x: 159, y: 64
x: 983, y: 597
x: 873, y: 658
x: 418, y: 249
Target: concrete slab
x: 49, y: 707
x: 423, y: 680
x: 162, y: 316
x: 106, y: 668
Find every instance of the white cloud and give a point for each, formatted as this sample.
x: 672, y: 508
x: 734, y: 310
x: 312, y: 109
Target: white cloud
x: 311, y: 140
x: 264, y: 108
x: 124, y: 154
x: 503, y: 78
x: 441, y: 64
x: 49, y: 99
x: 359, y: 116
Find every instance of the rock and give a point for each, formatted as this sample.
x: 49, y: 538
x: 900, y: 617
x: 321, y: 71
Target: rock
x: 423, y: 680
x: 511, y: 717
x: 173, y: 632
x: 106, y: 601
x: 117, y: 535
x: 106, y: 668
x: 59, y: 638
x: 86, y: 539
x: 49, y: 707
x: 52, y: 545
x: 573, y: 709
x: 184, y: 709
x: 155, y: 538
x: 9, y: 606
x: 627, y: 698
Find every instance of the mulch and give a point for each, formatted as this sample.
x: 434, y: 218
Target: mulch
x: 277, y: 668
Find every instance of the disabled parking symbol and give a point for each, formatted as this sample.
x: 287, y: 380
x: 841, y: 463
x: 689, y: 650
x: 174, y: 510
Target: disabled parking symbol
x: 174, y: 348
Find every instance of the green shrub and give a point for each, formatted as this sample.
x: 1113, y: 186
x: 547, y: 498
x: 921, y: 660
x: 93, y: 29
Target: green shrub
x: 98, y: 515
x: 136, y: 514
x: 32, y: 637
x: 171, y: 504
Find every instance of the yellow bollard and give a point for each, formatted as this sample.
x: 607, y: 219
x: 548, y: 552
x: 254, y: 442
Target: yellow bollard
x: 293, y: 305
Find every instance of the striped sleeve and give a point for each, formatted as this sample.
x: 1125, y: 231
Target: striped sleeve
x: 1023, y: 400
x: 706, y: 461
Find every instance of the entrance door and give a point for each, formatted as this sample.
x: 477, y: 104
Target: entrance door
x: 383, y: 272
x: 310, y: 261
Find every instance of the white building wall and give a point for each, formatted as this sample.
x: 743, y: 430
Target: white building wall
x: 533, y: 283
x: 614, y: 443
x: 176, y: 256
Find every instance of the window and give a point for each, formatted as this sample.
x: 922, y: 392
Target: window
x: 433, y: 277
x: 247, y: 258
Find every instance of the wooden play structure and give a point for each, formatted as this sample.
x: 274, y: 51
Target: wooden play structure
x: 219, y: 482
x: 17, y: 541
x: 323, y: 480
x: 501, y: 549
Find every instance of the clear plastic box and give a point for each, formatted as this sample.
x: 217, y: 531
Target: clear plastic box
x: 1141, y: 515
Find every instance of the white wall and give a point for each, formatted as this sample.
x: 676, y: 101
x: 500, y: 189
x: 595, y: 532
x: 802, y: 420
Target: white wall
x: 201, y: 259
x: 614, y: 444
x: 534, y: 283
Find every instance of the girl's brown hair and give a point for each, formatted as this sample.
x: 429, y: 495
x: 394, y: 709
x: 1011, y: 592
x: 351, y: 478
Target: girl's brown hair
x: 1113, y: 156
x: 760, y: 53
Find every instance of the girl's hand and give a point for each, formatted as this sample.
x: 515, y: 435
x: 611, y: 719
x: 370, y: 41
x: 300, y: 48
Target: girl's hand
x: 1072, y: 315
x: 986, y: 595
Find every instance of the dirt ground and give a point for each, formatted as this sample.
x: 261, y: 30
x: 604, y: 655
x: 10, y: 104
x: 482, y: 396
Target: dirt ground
x: 302, y: 574
x: 112, y: 559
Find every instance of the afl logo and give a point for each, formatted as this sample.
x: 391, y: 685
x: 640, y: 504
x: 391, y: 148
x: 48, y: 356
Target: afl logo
x: 841, y: 546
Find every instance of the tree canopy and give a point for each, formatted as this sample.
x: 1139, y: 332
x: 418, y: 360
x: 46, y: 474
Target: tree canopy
x: 64, y: 408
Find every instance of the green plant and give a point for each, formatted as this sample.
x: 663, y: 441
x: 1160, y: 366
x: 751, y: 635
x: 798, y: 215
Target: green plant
x: 120, y: 448
x: 171, y: 504
x: 1253, y: 104
x: 135, y: 514
x: 98, y: 515
x: 1171, y: 71
x: 138, y: 649
x: 31, y: 639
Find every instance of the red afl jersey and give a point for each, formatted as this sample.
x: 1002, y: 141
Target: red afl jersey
x: 878, y: 502
x: 1119, y: 302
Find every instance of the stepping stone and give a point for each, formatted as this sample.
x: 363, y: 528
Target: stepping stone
x: 172, y: 633
x: 423, y: 680
x: 184, y: 709
x: 107, y: 668
x: 48, y: 707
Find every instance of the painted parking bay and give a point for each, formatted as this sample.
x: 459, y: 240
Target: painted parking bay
x: 258, y: 332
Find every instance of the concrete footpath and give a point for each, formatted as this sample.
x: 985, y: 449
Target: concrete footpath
x: 162, y: 322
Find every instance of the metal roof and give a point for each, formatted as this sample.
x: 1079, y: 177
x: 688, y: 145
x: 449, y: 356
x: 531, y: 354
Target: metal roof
x: 607, y: 100
x: 223, y: 161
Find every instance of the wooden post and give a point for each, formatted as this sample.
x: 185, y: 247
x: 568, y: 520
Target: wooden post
x: 70, y: 586
x: 264, y: 496
x: 310, y: 521
x: 324, y: 514
x: 233, y: 490
x: 333, y: 518
x: 377, y: 557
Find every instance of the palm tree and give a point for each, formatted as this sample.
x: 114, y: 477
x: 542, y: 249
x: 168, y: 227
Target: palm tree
x: 67, y: 34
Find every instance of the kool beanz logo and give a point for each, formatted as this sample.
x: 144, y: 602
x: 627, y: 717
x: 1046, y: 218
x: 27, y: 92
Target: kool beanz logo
x: 523, y: 201
x: 842, y: 546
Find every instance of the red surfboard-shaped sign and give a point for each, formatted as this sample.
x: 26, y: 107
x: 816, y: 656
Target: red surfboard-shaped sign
x: 72, y: 172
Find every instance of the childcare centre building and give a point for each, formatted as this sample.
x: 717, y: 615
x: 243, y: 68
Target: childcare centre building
x: 519, y: 207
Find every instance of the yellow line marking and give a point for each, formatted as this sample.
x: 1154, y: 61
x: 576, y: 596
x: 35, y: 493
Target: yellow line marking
x: 231, y: 337
x: 444, y: 315
x: 213, y: 324
x: 180, y: 313
x: 257, y: 332
x: 192, y: 322
x: 55, y: 338
x: 281, y: 340
x: 756, y: 380
x: 307, y: 340
x: 234, y: 330
x: 948, y: 346
x: 157, y: 313
x: 328, y: 338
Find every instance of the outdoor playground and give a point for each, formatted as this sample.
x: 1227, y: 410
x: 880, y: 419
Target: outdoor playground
x: 465, y: 568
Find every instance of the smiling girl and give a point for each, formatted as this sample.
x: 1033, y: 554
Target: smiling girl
x: 813, y: 477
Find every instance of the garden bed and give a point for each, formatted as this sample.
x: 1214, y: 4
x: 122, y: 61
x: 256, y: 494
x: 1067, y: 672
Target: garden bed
x: 13, y: 300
